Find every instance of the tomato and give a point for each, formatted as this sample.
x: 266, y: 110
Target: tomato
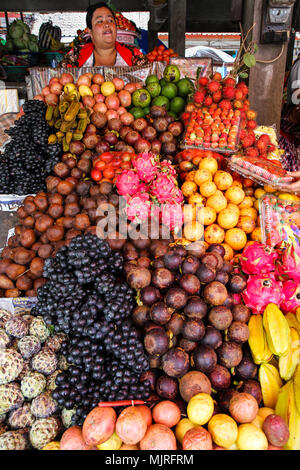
x: 126, y: 165
x: 96, y: 175
x: 106, y: 157
x: 116, y: 162
x: 99, y: 165
x: 109, y: 173
x: 126, y: 157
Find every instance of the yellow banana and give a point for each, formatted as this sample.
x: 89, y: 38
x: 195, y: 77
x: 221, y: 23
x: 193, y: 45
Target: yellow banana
x: 270, y: 383
x: 296, y: 382
x: 258, y: 341
x: 292, y: 321
x: 277, y: 330
x: 282, y: 404
x: 293, y: 417
x: 289, y: 361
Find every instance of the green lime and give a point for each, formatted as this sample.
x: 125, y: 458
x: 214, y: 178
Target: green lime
x: 172, y: 73
x: 146, y: 110
x: 177, y: 105
x: 137, y: 112
x: 154, y: 89
x: 185, y: 86
x: 141, y: 98
x: 163, y: 82
x: 151, y: 79
x: 161, y: 101
x: 169, y: 90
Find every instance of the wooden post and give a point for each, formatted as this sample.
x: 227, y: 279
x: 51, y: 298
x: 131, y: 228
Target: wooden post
x: 267, y: 77
x: 177, y: 25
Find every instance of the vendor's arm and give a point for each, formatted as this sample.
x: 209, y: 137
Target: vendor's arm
x: 294, y: 186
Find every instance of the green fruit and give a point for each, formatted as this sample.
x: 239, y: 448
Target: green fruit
x: 177, y: 105
x: 163, y: 82
x: 172, y: 73
x: 151, y: 79
x: 141, y: 98
x: 154, y: 89
x: 146, y: 110
x: 171, y: 113
x: 185, y: 87
x: 161, y: 101
x: 137, y: 112
x: 169, y: 90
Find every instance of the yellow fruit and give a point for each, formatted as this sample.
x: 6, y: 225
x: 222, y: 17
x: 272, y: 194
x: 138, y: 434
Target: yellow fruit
x: 200, y: 409
x: 223, y: 180
x: 182, y: 428
x: 227, y: 219
x: 233, y: 447
x: 236, y: 238
x: 258, y: 221
x: 258, y: 421
x: 246, y: 203
x: 214, y: 234
x: 218, y: 202
x: 257, y: 340
x: 269, y: 189
x: 54, y: 445
x: 235, y: 195
x: 259, y: 192
x: 113, y: 443
x: 190, y: 176
x: 233, y: 207
x: 229, y: 254
x: 264, y: 412
x: 256, y: 235
x: 210, y: 164
x: 223, y: 430
x: 196, y: 198
x: 247, y: 224
x: 277, y: 330
x: 208, y: 188
x: 289, y: 197
x: 256, y: 204
x: 189, y: 213
x: 270, y: 383
x: 206, y: 215
x: 188, y: 188
x: 193, y: 231
x: 107, y: 88
x: 250, y: 212
x: 237, y: 183
x: 250, y: 437
x: 201, y: 176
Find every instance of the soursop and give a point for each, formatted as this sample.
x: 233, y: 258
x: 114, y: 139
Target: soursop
x: 54, y: 342
x: 39, y: 329
x: 29, y: 346
x: 43, y: 431
x: 11, y: 364
x: 11, y: 397
x: 17, y: 327
x: 43, y: 405
x: 44, y: 362
x: 21, y: 417
x: 14, y: 440
x: 33, y: 384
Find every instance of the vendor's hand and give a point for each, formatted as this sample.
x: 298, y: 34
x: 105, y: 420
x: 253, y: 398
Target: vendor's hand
x: 294, y: 186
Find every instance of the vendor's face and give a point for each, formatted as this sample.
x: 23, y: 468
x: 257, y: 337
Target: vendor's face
x: 104, y: 29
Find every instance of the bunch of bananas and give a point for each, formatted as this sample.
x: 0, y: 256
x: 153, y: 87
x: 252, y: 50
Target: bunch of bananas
x: 275, y: 346
x: 69, y: 118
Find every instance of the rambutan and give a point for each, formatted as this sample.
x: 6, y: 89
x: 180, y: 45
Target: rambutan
x: 213, y: 86
x: 229, y: 92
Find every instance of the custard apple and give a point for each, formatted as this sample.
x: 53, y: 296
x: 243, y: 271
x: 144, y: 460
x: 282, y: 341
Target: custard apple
x: 11, y: 364
x: 4, y: 316
x: 66, y: 416
x: 43, y: 431
x: 17, y: 327
x: 14, y: 440
x: 51, y: 385
x: 24, y: 371
x: 45, y: 362
x: 39, y: 329
x: 21, y: 417
x: 33, y: 384
x: 54, y: 342
x: 29, y: 346
x: 4, y: 338
x: 43, y: 405
x: 10, y: 397
x: 62, y: 362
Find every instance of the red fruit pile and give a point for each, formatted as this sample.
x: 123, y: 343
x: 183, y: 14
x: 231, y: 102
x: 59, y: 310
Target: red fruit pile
x: 109, y: 164
x: 123, y: 23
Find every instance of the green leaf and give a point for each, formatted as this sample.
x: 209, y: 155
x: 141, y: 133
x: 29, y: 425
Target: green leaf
x: 51, y: 329
x: 243, y: 75
x: 249, y: 60
x: 255, y: 48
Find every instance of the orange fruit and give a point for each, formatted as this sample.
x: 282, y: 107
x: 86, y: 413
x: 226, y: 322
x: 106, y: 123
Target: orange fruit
x: 250, y: 212
x: 236, y: 238
x: 201, y: 176
x: 249, y: 243
x: 210, y: 164
x: 269, y: 189
x: 246, y: 203
x: 246, y: 223
x: 196, y: 198
x: 107, y: 88
x: 235, y: 195
x: 223, y: 180
x: 214, y: 234
x: 233, y: 207
x: 189, y: 213
x: 190, y: 176
x: 188, y: 188
x: 206, y: 215
x: 259, y: 192
x: 208, y: 188
x: 249, y: 191
x: 229, y: 253
x: 256, y: 205
x: 256, y: 235
x: 258, y: 221
x: 237, y: 183
x: 193, y: 231
x: 218, y: 201
x: 228, y: 219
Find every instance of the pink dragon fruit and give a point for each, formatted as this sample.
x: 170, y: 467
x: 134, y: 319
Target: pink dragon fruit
x: 146, y: 166
x: 177, y: 197
x: 262, y: 290
x: 163, y: 188
x: 127, y: 183
x: 289, y: 265
x: 168, y: 168
x: 138, y: 208
x: 258, y: 258
x: 172, y: 216
x: 291, y: 292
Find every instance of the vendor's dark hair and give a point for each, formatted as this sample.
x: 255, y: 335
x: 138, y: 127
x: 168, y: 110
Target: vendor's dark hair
x: 92, y: 8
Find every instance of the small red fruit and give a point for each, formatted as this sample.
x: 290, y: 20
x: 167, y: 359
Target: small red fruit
x: 228, y: 81
x: 214, y: 86
x: 229, y: 92
x: 247, y: 142
x: 252, y: 152
x: 96, y: 175
x: 225, y: 104
x: 217, y: 76
x: 199, y: 97
x: 239, y: 95
x: 217, y: 96
x: 203, y: 81
x: 251, y: 124
x: 208, y: 101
